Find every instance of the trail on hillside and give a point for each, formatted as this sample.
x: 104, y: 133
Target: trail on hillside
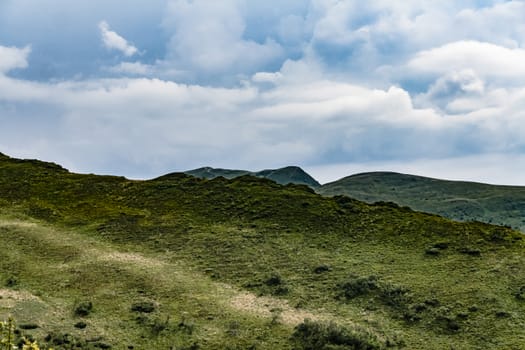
x: 166, y: 272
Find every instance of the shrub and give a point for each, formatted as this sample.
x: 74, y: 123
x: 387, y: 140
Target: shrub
x: 357, y: 286
x: 432, y: 251
x: 273, y: 280
x: 441, y: 245
x: 520, y: 294
x: 143, y: 306
x: 502, y: 314
x: 83, y: 308
x: 80, y: 325
x: 447, y: 323
x: 470, y: 251
x: 276, y: 284
x: 322, y: 268
x: 394, y: 296
x: 11, y: 282
x: 28, y: 326
x: 432, y: 302
x: 313, y: 335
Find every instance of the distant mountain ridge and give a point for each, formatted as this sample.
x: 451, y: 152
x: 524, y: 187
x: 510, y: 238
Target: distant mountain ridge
x: 457, y: 200
x: 283, y: 176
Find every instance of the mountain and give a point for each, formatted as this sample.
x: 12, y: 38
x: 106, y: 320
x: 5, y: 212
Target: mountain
x: 283, y: 176
x: 457, y: 200
x: 98, y: 262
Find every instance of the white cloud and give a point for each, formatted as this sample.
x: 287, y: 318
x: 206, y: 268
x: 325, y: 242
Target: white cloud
x: 455, y: 93
x: 208, y: 39
x: 308, y: 82
x: 266, y: 77
x: 13, y: 57
x: 127, y: 125
x: 487, y: 60
x: 114, y: 41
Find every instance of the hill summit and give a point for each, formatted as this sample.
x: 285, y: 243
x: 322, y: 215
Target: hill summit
x: 283, y: 176
x: 457, y: 200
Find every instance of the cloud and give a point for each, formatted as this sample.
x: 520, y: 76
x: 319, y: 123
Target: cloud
x: 487, y: 60
x: 369, y: 41
x: 243, y: 83
x: 133, y: 68
x: 208, y: 39
x: 447, y: 92
x: 143, y: 127
x: 13, y: 57
x: 266, y: 77
x: 114, y: 41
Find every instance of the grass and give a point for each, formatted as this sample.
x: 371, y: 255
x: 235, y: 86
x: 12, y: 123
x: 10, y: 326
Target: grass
x: 60, y: 286
x: 233, y: 264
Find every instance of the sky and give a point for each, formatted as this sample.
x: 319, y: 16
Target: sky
x: 143, y: 88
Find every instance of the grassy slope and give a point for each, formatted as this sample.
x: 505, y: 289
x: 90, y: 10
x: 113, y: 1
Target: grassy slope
x: 202, y: 250
x: 464, y: 201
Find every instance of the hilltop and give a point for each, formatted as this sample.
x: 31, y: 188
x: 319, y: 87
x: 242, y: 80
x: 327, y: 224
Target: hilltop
x: 457, y: 200
x: 283, y: 176
x: 189, y: 263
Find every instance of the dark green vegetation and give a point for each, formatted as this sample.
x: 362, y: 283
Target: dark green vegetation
x: 457, y: 200
x: 283, y: 176
x: 190, y: 263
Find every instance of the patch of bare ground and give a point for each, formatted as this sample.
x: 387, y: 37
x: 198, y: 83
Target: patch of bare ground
x: 268, y: 307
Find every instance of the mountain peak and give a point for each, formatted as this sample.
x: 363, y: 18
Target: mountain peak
x: 283, y: 176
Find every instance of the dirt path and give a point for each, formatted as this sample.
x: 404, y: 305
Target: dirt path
x: 270, y: 307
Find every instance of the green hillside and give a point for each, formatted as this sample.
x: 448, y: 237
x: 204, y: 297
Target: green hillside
x: 177, y: 262
x: 283, y: 176
x: 457, y: 200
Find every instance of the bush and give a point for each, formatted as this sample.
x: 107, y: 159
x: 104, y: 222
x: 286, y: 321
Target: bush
x: 357, y: 286
x: 520, y: 294
x: 273, y: 280
x: 394, y: 296
x: 441, y: 245
x: 11, y: 282
x: 432, y: 251
x: 448, y: 323
x: 388, y: 293
x: 277, y: 285
x: 322, y: 268
x: 80, y: 325
x: 28, y: 326
x: 83, y: 308
x: 470, y: 251
x: 143, y: 306
x: 313, y: 335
